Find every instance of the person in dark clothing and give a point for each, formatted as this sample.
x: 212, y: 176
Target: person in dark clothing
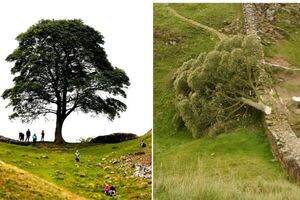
x: 27, y: 135
x: 143, y: 144
x: 21, y: 136
x: 113, y: 191
x: 43, y: 135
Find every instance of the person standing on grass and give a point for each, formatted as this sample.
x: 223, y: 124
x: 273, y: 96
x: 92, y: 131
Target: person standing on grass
x: 143, y: 144
x: 21, y: 136
x: 43, y: 135
x: 27, y: 135
x: 77, y: 156
x: 34, y: 138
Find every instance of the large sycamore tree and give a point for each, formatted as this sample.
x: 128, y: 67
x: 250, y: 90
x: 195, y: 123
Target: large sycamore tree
x: 60, y: 66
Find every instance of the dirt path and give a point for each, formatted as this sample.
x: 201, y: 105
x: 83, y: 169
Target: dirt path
x: 281, y: 63
x: 220, y: 35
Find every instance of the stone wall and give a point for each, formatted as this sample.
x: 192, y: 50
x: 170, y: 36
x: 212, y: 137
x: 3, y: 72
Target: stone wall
x: 284, y: 142
x: 12, y: 141
x: 250, y: 21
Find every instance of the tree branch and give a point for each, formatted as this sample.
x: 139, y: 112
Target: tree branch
x: 73, y: 107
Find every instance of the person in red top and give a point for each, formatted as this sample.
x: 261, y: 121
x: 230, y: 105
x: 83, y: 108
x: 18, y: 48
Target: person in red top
x: 110, y: 190
x: 106, y: 190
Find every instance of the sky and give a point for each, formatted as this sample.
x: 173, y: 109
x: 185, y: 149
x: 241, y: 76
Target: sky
x: 127, y: 30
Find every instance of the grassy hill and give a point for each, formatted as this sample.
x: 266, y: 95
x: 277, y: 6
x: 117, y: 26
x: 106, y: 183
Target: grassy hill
x: 235, y: 165
x: 288, y: 47
x: 19, y: 184
x: 100, y: 165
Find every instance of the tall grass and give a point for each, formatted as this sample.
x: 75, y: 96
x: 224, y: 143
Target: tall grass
x: 237, y: 165
x: 196, y: 185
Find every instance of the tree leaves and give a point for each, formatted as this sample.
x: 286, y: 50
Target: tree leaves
x: 209, y: 89
x: 61, y: 66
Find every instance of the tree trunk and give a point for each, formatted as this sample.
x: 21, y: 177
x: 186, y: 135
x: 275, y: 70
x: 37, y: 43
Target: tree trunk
x: 259, y: 106
x: 58, y: 131
x: 296, y: 100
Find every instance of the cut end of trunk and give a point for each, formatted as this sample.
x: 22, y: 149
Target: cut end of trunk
x: 296, y: 99
x: 268, y: 110
x: 258, y: 105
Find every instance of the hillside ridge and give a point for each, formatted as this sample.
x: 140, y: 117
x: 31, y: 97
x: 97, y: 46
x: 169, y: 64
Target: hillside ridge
x: 19, y: 184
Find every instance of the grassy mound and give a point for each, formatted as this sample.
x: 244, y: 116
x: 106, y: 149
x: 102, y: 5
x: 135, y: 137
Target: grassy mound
x: 237, y: 165
x: 19, y: 184
x: 100, y: 165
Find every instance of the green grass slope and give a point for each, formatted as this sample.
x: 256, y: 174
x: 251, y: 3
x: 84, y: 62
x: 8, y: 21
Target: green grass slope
x: 212, y: 15
x: 288, y: 48
x: 95, y: 170
x: 190, y: 41
x: 234, y: 165
x: 19, y: 184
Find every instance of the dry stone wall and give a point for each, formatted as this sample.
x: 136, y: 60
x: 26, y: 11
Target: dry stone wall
x: 284, y: 142
x: 250, y: 21
x: 12, y: 141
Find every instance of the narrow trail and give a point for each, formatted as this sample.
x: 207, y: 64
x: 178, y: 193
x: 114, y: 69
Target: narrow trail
x: 220, y: 35
x: 292, y: 68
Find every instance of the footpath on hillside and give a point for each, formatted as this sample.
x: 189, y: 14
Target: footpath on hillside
x: 220, y: 35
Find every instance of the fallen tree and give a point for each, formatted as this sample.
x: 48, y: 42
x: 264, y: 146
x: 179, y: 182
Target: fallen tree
x: 220, y: 86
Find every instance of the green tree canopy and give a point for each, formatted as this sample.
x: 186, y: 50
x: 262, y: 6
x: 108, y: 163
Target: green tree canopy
x: 218, y: 86
x: 60, y: 66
